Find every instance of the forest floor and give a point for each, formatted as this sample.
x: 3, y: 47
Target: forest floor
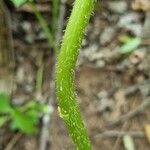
x: 113, y: 88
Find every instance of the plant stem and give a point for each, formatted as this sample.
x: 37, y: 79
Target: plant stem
x: 44, y: 25
x: 55, y: 14
x: 68, y: 106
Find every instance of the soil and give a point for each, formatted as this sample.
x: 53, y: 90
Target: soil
x: 109, y: 85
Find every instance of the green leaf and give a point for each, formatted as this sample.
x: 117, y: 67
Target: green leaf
x: 130, y: 45
x: 47, y: 109
x: 4, y: 103
x: 24, y: 122
x: 34, y: 105
x: 33, y: 115
x: 18, y: 3
x: 29, y: 105
x: 2, y: 120
x: 124, y: 38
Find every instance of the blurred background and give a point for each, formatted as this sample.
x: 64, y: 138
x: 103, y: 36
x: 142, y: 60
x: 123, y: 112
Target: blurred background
x: 112, y: 75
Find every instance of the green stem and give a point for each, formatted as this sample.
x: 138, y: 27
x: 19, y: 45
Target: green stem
x: 55, y: 14
x: 68, y: 106
x: 44, y: 25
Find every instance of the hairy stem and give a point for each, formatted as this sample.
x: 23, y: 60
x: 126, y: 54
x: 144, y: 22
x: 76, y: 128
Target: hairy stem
x: 68, y: 106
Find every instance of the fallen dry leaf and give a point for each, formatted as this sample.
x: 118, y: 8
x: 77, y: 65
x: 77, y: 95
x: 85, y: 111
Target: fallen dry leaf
x: 147, y: 130
x: 137, y: 56
x: 143, y: 5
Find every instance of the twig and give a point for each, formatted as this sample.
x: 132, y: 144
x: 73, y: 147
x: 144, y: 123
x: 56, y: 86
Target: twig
x: 13, y: 142
x: 114, y: 133
x: 7, y: 20
x: 7, y: 62
x: 44, y: 138
x: 119, y: 139
x: 132, y: 113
